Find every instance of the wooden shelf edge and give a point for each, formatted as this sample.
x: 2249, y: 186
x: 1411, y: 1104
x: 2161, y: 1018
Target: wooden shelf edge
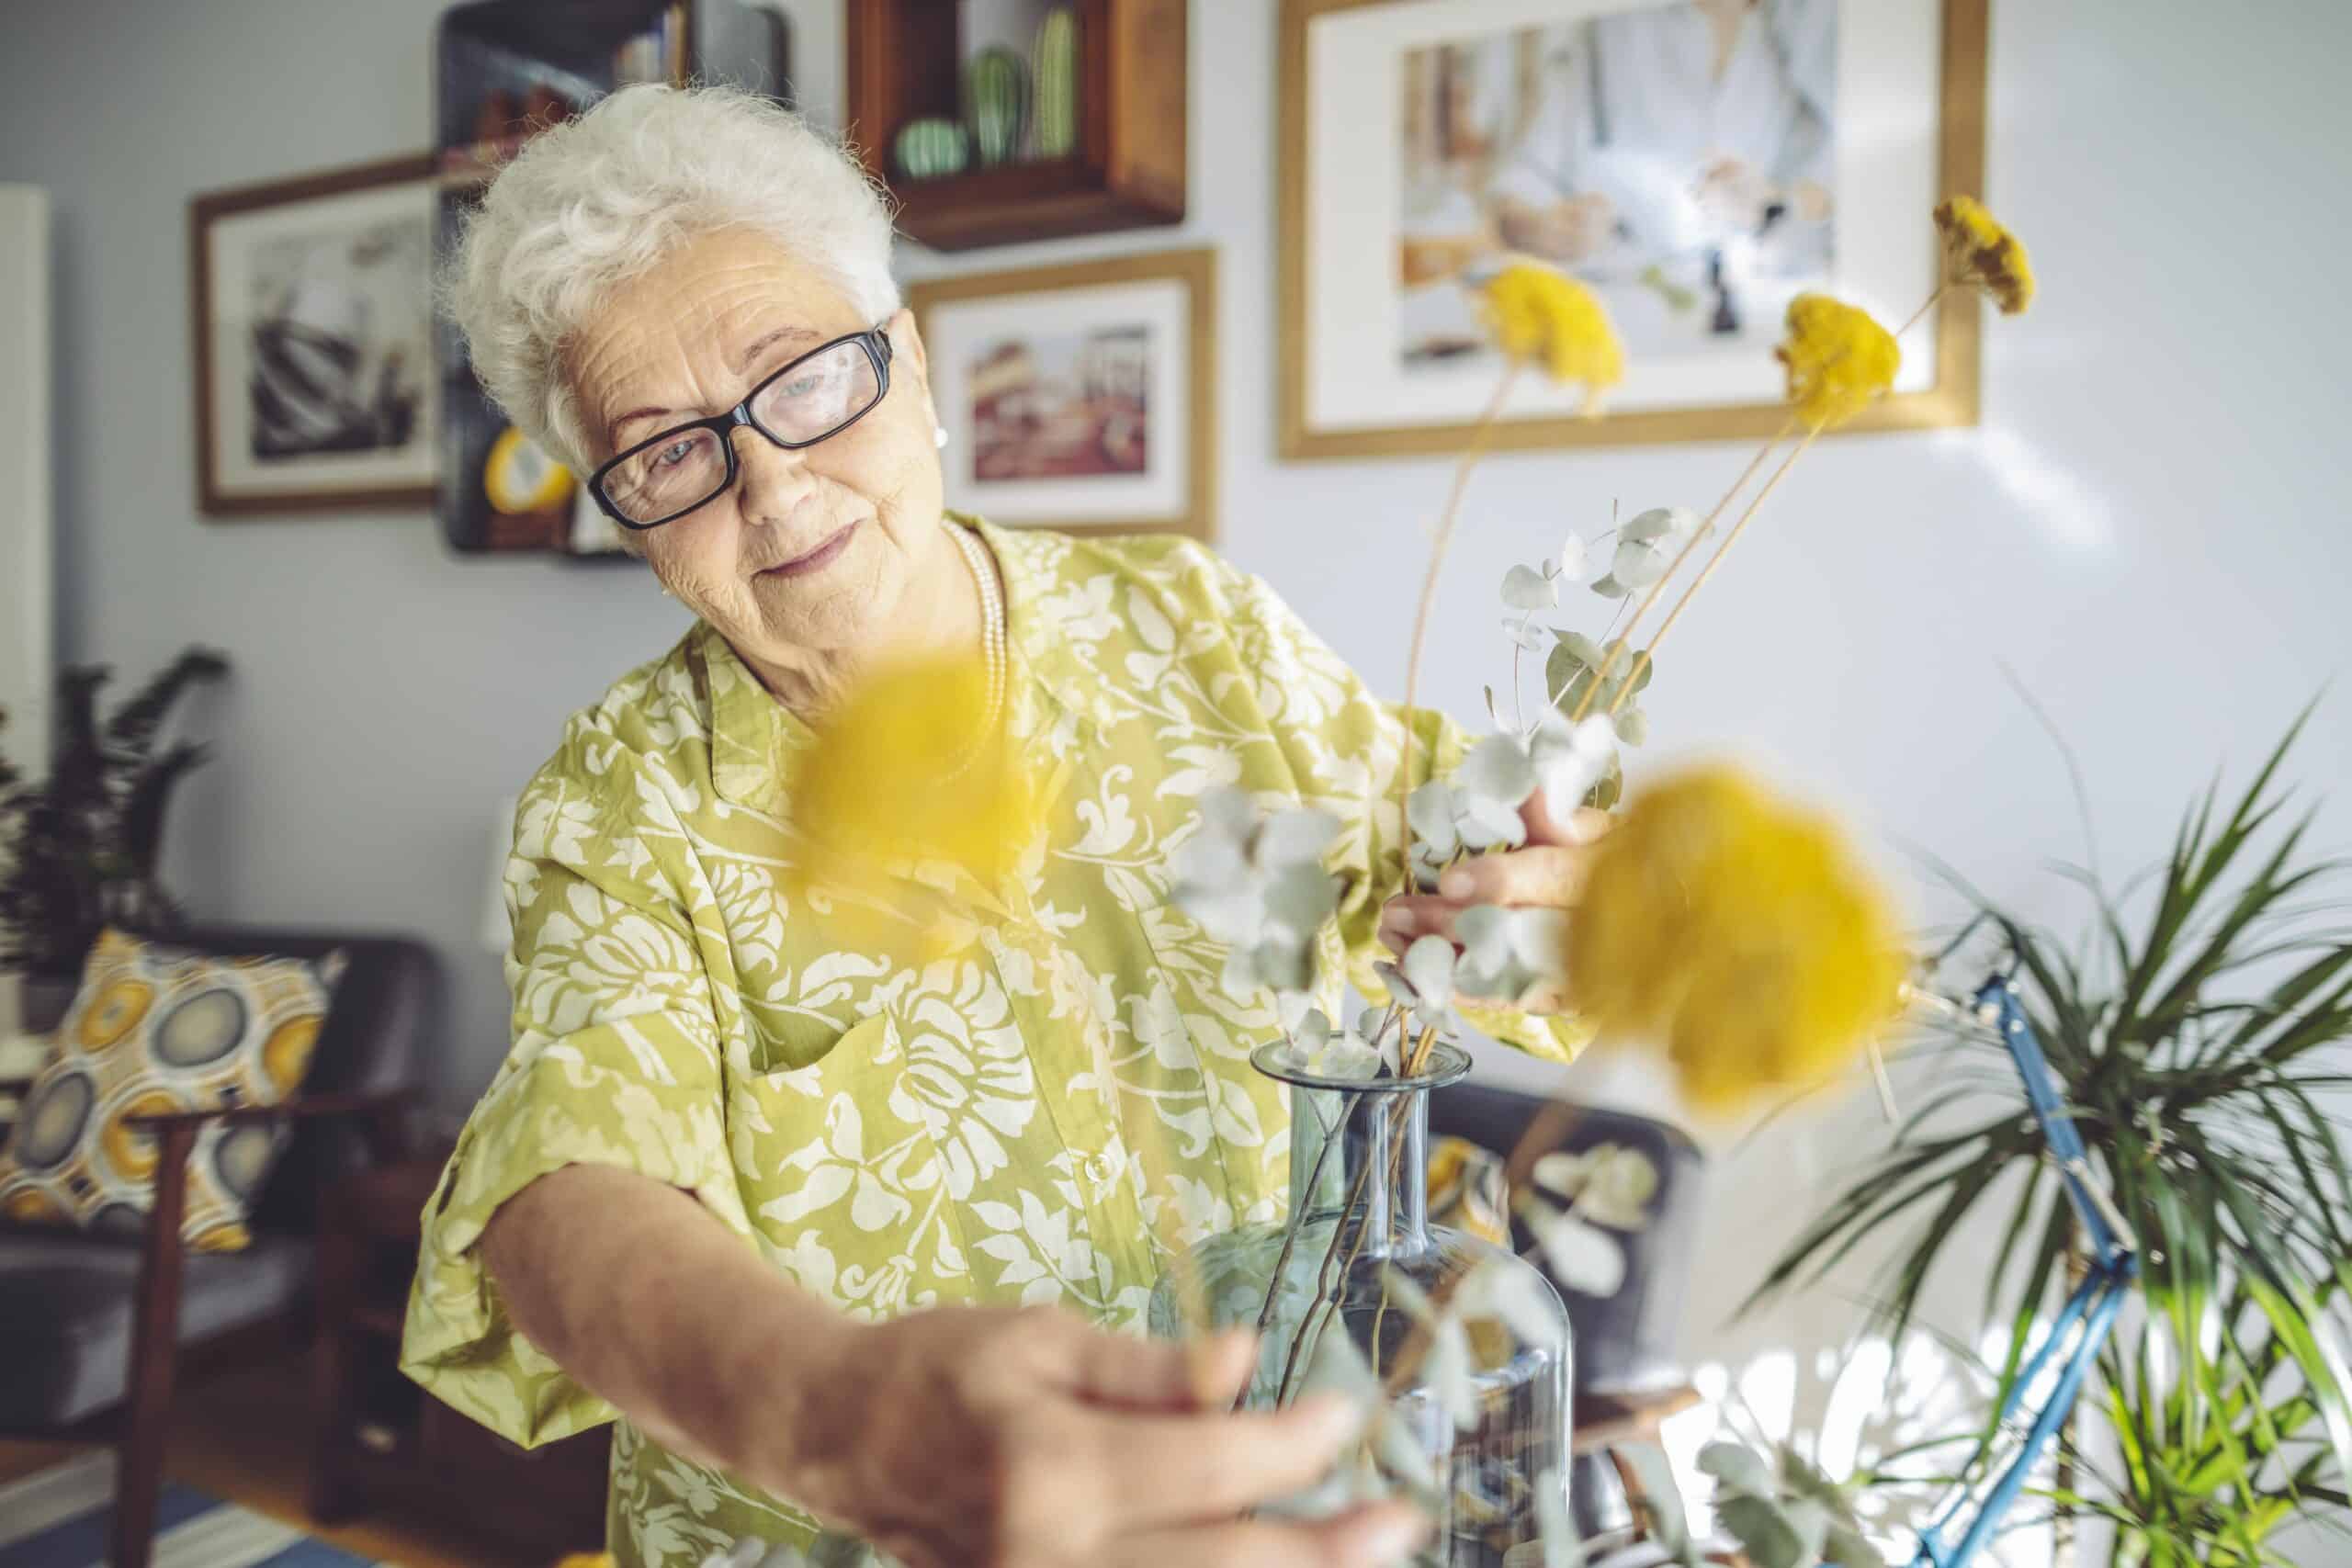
x: 1047, y: 215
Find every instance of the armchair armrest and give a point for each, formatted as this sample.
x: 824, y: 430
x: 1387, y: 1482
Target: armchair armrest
x: 1604, y: 1420
x: 153, y: 1326
x: 382, y: 1112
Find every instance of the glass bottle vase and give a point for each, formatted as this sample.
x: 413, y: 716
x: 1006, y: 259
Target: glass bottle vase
x: 1483, y: 1451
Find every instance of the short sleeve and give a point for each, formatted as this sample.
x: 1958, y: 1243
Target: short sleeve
x: 1344, y: 746
x: 616, y: 1061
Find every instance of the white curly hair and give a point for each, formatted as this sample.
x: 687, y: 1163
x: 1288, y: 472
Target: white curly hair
x: 600, y: 199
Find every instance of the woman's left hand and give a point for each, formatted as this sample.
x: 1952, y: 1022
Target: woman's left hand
x: 1547, y: 872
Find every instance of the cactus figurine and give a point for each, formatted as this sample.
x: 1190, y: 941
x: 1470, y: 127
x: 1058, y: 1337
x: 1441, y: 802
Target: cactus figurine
x: 1054, y: 70
x: 996, y: 95
x: 931, y: 148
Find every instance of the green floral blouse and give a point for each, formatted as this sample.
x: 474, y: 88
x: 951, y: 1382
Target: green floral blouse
x: 1037, y: 1117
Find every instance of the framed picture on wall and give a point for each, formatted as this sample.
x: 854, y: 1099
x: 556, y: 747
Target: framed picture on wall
x: 312, y: 300
x: 1080, y: 397
x: 1697, y: 162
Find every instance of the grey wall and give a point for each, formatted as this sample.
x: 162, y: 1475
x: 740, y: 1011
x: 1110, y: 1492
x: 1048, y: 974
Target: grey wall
x: 2149, y: 527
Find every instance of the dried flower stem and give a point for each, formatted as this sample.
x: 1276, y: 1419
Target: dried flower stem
x: 1481, y: 438
x: 1633, y: 673
x: 1706, y: 526
x: 1941, y: 289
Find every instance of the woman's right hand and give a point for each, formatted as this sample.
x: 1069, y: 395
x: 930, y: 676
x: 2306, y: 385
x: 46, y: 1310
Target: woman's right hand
x: 1027, y: 1438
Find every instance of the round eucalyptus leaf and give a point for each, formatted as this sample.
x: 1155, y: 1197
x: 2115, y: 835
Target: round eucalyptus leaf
x: 1524, y: 587
x: 1846, y: 1547
x: 1765, y: 1531
x: 1738, y: 1467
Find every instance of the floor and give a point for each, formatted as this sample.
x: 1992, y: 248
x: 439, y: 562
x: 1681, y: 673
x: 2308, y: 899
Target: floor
x: 244, y: 1436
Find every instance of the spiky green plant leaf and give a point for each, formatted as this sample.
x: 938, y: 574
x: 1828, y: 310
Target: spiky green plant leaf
x: 2189, y: 1033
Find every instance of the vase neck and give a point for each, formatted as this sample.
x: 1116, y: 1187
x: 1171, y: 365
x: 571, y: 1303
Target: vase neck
x: 1374, y: 1177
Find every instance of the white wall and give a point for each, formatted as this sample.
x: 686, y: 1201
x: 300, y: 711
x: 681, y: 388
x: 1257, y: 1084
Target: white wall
x: 2149, y: 528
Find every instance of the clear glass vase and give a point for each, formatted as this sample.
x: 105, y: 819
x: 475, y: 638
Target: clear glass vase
x: 1359, y: 1225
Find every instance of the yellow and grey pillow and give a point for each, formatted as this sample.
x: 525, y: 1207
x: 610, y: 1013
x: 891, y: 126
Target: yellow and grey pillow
x: 1468, y: 1191
x: 158, y: 1029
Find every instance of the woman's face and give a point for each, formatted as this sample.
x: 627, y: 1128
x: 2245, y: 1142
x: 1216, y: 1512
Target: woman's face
x: 808, y: 554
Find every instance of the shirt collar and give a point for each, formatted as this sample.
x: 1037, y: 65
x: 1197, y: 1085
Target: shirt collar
x: 753, y: 737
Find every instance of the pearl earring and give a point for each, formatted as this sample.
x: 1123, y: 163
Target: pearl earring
x: 939, y: 436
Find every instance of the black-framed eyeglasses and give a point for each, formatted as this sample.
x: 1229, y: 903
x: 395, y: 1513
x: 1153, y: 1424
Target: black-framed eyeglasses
x: 821, y: 394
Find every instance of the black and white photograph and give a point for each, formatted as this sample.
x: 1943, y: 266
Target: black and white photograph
x: 315, y: 345
x: 339, y: 340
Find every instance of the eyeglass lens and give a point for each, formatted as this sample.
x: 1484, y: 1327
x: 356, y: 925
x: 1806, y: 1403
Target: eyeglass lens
x: 683, y: 468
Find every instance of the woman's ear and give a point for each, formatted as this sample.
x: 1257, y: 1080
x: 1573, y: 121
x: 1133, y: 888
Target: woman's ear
x: 906, y: 338
x: 906, y: 341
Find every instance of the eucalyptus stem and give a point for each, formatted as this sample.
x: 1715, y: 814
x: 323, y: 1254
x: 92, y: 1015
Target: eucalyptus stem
x: 1331, y: 1256
x: 1290, y: 1242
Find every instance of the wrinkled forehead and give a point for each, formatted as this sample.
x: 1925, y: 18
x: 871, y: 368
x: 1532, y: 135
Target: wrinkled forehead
x: 689, y: 337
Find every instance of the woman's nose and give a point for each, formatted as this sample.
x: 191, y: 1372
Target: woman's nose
x: 770, y: 479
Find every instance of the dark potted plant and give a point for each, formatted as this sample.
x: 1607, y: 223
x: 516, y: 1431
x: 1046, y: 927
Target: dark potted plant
x: 82, y: 846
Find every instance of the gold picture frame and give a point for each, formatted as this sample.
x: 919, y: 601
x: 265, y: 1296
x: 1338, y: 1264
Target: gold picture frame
x: 978, y: 329
x: 1951, y: 400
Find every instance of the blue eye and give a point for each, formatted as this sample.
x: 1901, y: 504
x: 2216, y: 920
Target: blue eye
x: 677, y: 452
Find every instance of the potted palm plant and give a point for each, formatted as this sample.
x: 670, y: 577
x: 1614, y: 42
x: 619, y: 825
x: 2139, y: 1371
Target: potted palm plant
x: 2197, y: 1033
x: 79, y: 850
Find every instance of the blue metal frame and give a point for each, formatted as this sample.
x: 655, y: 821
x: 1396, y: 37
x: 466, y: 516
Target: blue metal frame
x: 2021, y: 1434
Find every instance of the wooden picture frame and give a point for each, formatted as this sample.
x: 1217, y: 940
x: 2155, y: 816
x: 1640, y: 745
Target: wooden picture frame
x: 1954, y: 37
x: 1000, y: 347
x: 310, y: 302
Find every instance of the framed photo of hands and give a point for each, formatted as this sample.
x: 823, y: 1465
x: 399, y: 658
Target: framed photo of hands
x: 1696, y: 163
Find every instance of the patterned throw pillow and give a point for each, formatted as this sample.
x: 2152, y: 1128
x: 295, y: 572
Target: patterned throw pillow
x: 158, y: 1029
x: 1468, y: 1189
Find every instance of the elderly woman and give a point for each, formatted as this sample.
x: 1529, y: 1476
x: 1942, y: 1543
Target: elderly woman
x: 836, y: 1237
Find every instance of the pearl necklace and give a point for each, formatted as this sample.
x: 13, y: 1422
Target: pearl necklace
x: 992, y: 617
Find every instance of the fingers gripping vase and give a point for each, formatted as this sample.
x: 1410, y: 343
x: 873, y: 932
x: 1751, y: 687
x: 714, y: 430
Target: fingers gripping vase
x: 1476, y: 1423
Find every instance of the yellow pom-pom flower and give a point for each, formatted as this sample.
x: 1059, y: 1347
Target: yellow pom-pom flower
x: 1980, y: 253
x: 1536, y: 313
x: 1740, y: 934
x: 1838, y: 360
x: 912, y: 774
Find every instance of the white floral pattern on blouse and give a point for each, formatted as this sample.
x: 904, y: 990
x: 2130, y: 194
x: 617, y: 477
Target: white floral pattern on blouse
x: 1037, y: 1116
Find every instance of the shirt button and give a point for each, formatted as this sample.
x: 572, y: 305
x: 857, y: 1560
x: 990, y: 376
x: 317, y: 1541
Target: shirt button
x: 1100, y: 1168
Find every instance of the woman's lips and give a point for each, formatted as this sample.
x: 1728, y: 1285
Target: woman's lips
x: 816, y: 559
